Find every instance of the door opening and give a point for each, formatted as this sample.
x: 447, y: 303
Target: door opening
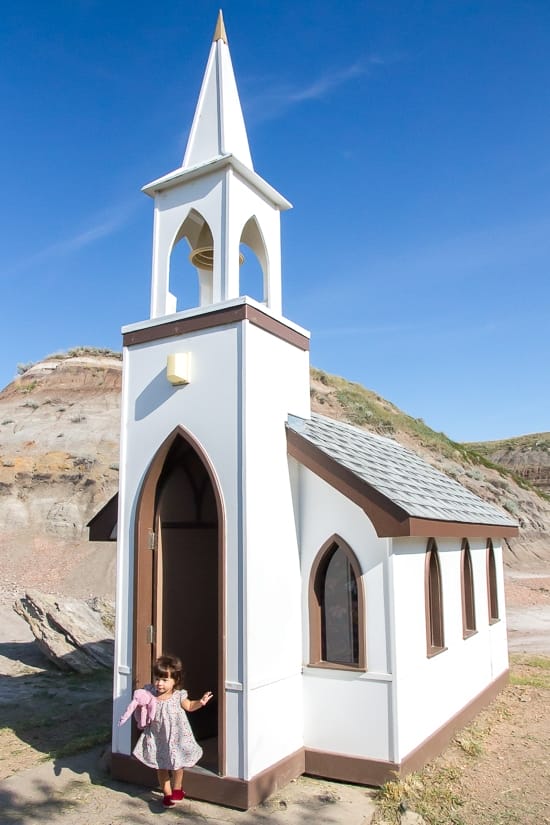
x: 185, y: 585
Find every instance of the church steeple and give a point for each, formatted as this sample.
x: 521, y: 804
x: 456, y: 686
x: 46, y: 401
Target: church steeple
x: 215, y: 200
x: 218, y: 125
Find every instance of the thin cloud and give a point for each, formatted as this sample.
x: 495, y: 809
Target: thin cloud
x: 103, y: 224
x: 322, y: 86
x: 273, y: 101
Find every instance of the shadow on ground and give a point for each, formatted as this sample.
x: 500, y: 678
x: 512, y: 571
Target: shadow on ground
x: 83, y: 793
x: 46, y: 713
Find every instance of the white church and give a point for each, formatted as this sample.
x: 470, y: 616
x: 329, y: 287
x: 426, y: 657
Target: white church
x: 342, y: 599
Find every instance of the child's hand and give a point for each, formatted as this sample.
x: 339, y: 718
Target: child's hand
x: 206, y: 698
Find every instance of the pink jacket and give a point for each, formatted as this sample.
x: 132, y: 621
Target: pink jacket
x: 143, y: 706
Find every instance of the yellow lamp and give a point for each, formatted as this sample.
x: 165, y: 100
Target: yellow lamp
x: 178, y: 366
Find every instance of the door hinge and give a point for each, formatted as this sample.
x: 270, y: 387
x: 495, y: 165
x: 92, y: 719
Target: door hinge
x: 152, y: 540
x: 149, y: 633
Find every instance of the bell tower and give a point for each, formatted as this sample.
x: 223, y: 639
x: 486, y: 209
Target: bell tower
x: 216, y: 200
x: 206, y: 528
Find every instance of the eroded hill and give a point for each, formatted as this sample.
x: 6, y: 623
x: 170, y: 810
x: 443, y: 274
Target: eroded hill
x: 527, y: 455
x: 59, y: 432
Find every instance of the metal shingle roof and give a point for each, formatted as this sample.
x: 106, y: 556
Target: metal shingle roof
x: 397, y: 473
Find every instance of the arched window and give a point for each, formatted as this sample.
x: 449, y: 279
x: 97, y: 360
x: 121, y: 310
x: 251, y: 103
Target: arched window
x: 336, y: 608
x: 435, y: 640
x: 492, y: 596
x: 467, y: 586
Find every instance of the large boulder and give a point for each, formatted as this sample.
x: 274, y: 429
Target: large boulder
x: 68, y: 631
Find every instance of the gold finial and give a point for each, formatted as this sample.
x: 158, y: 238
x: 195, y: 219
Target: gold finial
x: 219, y: 33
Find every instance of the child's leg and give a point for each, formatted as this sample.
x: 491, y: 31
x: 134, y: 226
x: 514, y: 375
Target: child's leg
x: 177, y: 777
x: 164, y: 782
x: 177, y: 782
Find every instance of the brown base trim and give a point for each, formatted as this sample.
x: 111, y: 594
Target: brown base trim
x: 242, y: 794
x: 434, y: 744
x: 208, y: 787
x: 277, y: 776
x: 354, y: 769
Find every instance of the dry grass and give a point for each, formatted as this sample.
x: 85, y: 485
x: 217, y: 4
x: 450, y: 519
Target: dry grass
x: 469, y: 784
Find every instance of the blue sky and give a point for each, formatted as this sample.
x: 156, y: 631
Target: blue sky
x: 413, y: 139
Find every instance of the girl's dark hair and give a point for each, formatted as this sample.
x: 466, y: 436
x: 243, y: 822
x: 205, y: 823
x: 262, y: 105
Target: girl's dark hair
x: 169, y: 667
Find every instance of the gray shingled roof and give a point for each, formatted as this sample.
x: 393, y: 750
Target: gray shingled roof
x: 397, y: 473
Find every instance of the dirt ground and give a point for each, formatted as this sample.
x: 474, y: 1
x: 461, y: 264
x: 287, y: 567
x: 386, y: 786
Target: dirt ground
x: 508, y: 781
x: 499, y: 768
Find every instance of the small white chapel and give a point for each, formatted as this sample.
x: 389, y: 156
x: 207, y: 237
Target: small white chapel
x: 342, y: 599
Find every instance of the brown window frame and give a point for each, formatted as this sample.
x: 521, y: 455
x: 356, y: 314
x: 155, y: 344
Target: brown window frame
x: 318, y: 569
x: 433, y: 598
x: 492, y: 590
x: 469, y: 627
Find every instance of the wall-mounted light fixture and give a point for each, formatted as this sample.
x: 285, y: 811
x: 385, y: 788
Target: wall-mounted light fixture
x: 178, y: 368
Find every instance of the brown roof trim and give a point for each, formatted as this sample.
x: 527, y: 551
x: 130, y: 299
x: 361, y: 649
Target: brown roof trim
x: 103, y: 523
x: 389, y: 519
x: 217, y: 318
x: 458, y: 529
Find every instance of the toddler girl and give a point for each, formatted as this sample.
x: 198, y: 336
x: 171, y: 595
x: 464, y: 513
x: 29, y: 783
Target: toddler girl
x: 168, y: 744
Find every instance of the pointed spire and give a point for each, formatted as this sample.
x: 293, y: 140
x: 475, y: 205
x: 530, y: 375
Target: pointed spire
x: 218, y: 125
x: 219, y: 33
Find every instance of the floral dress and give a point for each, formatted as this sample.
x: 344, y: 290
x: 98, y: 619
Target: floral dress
x: 168, y: 742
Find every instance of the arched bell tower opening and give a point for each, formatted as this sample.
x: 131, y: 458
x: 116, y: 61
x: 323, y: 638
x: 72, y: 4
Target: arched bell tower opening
x: 254, y: 272
x: 179, y: 592
x: 191, y: 264
x: 184, y: 281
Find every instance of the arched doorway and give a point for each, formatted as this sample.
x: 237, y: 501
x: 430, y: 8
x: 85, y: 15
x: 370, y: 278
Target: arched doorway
x: 179, y: 588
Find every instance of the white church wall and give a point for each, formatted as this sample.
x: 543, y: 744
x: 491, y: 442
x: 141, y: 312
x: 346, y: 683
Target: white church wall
x: 497, y: 634
x: 346, y: 712
x: 208, y: 407
x: 431, y: 690
x: 122, y: 674
x: 275, y: 722
x: 256, y: 493
x: 276, y: 382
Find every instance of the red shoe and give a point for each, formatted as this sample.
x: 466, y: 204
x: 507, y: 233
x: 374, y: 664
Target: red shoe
x: 167, y: 802
x: 178, y: 795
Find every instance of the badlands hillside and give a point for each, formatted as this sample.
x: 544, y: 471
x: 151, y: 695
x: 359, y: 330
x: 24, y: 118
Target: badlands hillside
x: 59, y: 429
x: 527, y: 455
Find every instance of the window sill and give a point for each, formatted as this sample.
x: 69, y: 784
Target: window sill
x: 334, y: 666
x: 435, y: 651
x: 469, y: 633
